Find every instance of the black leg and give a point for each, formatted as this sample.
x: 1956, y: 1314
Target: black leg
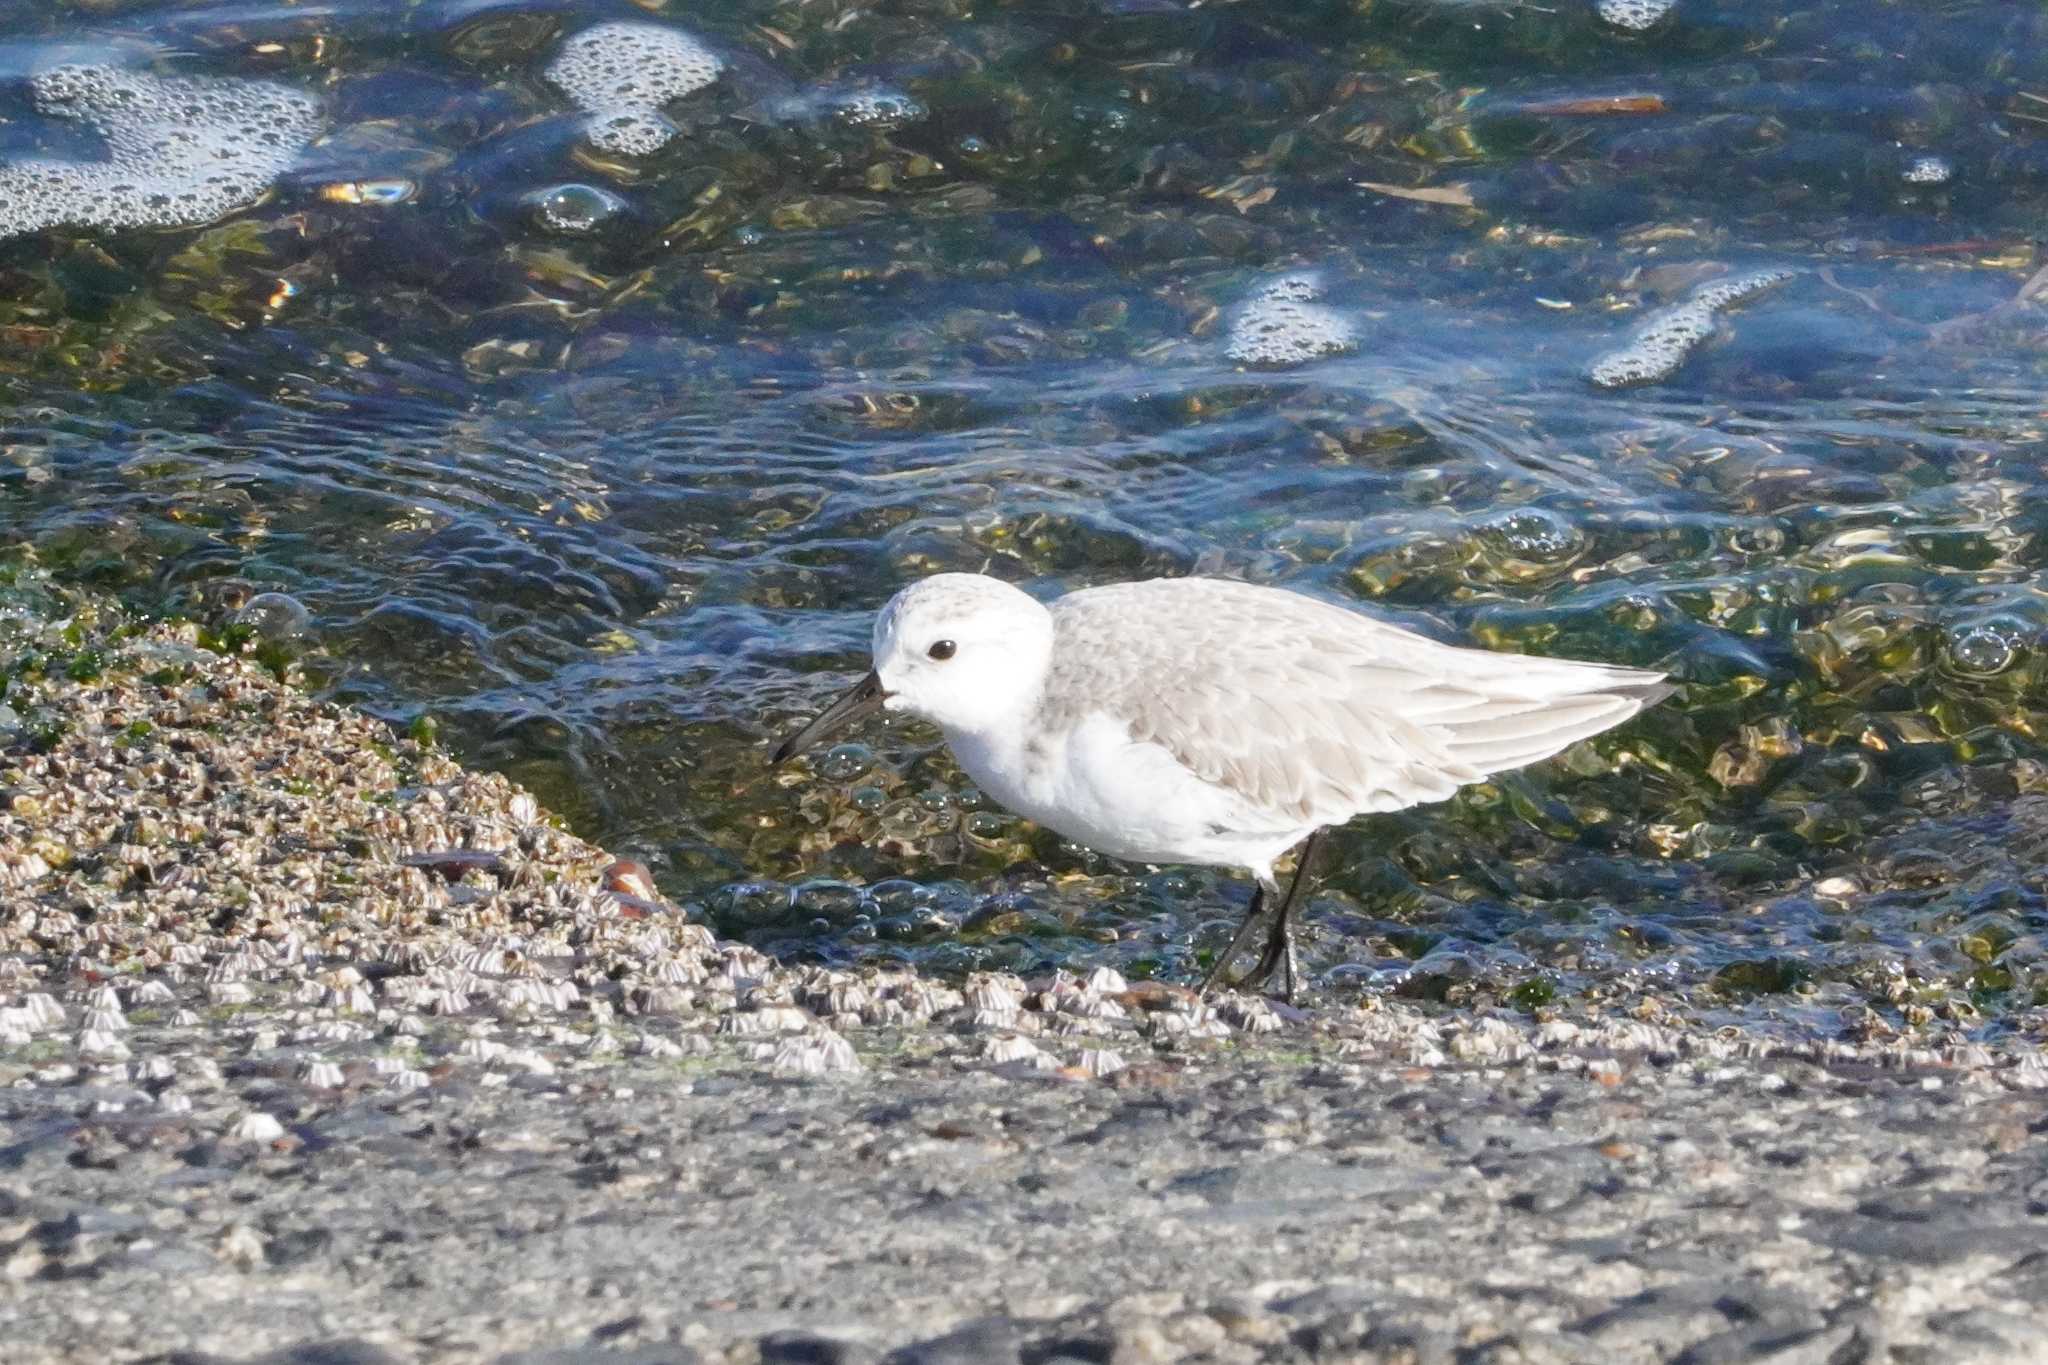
x: 1279, y: 953
x: 1237, y: 944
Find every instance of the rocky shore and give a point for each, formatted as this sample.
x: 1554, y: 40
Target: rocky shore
x: 316, y: 1047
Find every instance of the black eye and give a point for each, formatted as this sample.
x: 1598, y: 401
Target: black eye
x: 942, y: 649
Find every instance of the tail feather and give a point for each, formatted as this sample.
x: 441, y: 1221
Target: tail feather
x: 1512, y: 734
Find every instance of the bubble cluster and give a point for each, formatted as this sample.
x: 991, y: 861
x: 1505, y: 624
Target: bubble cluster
x: 1657, y: 349
x: 1927, y: 170
x: 1734, y: 289
x: 1633, y: 15
x: 1661, y: 344
x: 1283, y: 325
x: 180, y: 150
x: 856, y: 106
x: 1532, y: 538
x: 876, y: 108
x: 623, y: 73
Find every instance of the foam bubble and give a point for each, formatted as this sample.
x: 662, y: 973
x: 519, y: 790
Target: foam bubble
x: 180, y: 150
x: 1657, y: 349
x: 1633, y: 15
x: 857, y: 106
x: 1663, y: 341
x: 1928, y: 170
x: 624, y: 72
x: 1283, y: 325
x: 1733, y: 289
x: 574, y: 209
x: 878, y: 109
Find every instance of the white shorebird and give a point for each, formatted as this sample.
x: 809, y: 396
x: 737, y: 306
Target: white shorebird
x: 1200, y: 720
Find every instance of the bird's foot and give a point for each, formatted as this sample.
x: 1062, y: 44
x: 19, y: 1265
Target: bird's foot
x: 1276, y: 958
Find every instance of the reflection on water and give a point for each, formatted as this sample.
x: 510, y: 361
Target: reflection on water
x: 601, y: 447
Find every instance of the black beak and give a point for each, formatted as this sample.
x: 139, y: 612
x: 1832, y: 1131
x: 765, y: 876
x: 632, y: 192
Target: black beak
x: 862, y: 700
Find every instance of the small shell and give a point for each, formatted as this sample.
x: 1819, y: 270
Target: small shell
x: 774, y: 1019
x: 1010, y: 1048
x: 2029, y: 1073
x: 352, y: 1000
x: 1556, y: 1033
x: 321, y: 1075
x: 527, y: 1060
x: 662, y: 1000
x: 1252, y: 1015
x: 331, y: 1031
x: 985, y: 994
x: 679, y: 971
x: 841, y: 997
x: 406, y: 1078
x: 883, y: 1014
x: 1105, y: 981
x: 1100, y: 1061
x: 629, y: 878
x: 150, y: 993
x: 815, y: 1054
x: 1186, y: 1024
x: 103, y: 1045
x: 256, y: 1127
x: 99, y: 1020
x: 1090, y: 1006
x: 241, y: 1246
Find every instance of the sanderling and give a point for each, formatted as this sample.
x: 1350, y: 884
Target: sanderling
x: 1200, y: 720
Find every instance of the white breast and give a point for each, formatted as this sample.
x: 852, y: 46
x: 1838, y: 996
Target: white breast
x: 1134, y: 801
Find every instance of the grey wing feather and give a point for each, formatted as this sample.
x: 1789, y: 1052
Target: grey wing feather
x: 1312, y: 712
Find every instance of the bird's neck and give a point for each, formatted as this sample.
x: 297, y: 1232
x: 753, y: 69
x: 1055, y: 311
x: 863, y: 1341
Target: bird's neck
x: 999, y: 753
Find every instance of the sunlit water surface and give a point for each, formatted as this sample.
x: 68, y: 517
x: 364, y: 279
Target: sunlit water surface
x: 603, y: 459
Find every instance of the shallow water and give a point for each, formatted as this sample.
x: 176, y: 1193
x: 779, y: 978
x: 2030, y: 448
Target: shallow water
x: 603, y: 460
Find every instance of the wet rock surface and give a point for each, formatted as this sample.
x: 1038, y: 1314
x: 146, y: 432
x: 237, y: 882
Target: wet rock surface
x: 315, y: 1047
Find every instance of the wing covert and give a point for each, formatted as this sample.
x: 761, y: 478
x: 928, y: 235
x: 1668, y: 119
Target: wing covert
x: 1311, y: 711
